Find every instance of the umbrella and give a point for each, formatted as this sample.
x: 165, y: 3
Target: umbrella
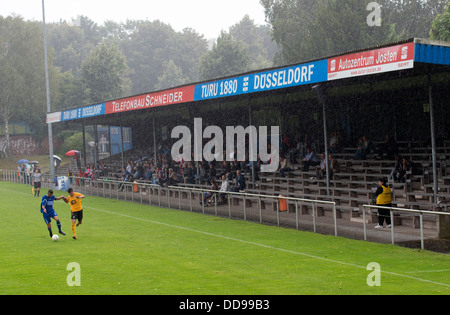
x: 72, y: 153
x: 56, y: 157
x: 33, y: 162
x: 22, y: 161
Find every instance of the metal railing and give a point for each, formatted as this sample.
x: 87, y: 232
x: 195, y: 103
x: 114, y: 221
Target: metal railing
x: 121, y: 190
x: 421, y: 213
x: 153, y: 195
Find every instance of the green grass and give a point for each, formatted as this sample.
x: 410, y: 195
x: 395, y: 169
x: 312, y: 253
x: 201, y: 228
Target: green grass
x: 126, y: 248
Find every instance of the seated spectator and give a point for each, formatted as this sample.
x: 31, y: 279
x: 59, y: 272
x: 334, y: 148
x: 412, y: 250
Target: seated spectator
x: 333, y: 142
x: 208, y: 194
x: 285, y: 166
x: 334, y: 164
x: 224, y: 188
x: 172, y: 178
x: 365, y: 147
x: 405, y: 171
x: 139, y: 171
x: 310, y: 160
x: 202, y: 176
x: 322, y: 172
x: 211, y: 172
x: 240, y: 182
x: 126, y: 177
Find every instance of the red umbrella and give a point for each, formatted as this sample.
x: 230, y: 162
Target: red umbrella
x: 72, y: 153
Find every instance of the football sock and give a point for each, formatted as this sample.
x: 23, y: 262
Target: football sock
x: 59, y: 226
x: 50, y: 231
x: 74, y: 229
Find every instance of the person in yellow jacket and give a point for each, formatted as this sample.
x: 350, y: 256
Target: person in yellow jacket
x: 384, y: 198
x: 76, y: 208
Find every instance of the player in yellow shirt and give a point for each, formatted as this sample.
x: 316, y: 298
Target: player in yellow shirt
x: 76, y: 207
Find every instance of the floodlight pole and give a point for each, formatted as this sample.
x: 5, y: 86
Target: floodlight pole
x: 49, y: 124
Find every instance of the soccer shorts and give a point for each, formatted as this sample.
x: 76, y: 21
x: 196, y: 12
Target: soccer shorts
x: 77, y: 215
x: 48, y: 216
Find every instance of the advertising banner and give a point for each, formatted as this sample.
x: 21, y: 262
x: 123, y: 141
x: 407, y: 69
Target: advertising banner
x: 83, y: 112
x: 376, y: 61
x: 164, y: 98
x: 264, y: 81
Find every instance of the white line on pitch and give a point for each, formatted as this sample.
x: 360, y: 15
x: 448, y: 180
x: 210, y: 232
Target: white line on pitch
x: 266, y: 246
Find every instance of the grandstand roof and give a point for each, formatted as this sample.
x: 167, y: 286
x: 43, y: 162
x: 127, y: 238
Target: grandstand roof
x: 411, y: 57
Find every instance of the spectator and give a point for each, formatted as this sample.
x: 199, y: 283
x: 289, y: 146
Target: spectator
x: 126, y: 176
x: 172, y: 178
x: 211, y: 172
x: 334, y: 164
x: 383, y: 197
x: 208, y: 194
x: 406, y: 170
x: 365, y: 147
x: 224, y: 188
x: 322, y: 172
x: 310, y: 160
x: 240, y: 182
x: 285, y: 166
x: 139, y: 171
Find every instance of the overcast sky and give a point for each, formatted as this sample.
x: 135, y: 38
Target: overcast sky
x: 207, y: 17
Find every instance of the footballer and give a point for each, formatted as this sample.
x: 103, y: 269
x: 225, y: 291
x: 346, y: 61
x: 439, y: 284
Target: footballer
x: 76, y: 208
x: 48, y: 212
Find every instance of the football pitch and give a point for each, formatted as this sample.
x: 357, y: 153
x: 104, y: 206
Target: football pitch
x: 127, y: 249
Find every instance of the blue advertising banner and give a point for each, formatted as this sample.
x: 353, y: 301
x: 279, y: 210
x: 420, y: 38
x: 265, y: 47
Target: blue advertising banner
x: 303, y: 74
x: 83, y: 112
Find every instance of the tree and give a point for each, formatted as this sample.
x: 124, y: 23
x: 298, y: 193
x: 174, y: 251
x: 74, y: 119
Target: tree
x: 309, y: 29
x: 257, y: 38
x: 104, y: 74
x: 22, y: 74
x: 227, y: 57
x: 412, y: 18
x: 440, y: 29
x: 172, y: 76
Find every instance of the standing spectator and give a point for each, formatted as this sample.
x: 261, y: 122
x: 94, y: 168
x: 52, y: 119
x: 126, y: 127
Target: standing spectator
x: 384, y: 199
x: 37, y: 178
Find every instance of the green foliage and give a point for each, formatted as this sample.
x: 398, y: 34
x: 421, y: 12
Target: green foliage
x: 227, y: 57
x: 103, y: 73
x: 75, y: 142
x: 309, y: 29
x: 440, y: 29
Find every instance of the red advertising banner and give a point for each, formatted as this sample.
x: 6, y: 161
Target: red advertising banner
x: 372, y: 62
x: 164, y: 98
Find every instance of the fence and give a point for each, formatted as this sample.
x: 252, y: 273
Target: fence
x: 184, y: 198
x: 392, y: 210
x: 225, y: 204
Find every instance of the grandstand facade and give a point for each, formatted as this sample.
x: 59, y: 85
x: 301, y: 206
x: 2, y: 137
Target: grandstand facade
x: 400, y: 90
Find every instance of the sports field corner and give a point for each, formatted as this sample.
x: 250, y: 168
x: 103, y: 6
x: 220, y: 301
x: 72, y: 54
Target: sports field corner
x: 129, y: 249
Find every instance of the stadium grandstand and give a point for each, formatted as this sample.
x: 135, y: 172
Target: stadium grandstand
x: 377, y: 112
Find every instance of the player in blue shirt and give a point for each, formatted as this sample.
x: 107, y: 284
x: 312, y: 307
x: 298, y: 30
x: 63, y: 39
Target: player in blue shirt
x: 48, y: 212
